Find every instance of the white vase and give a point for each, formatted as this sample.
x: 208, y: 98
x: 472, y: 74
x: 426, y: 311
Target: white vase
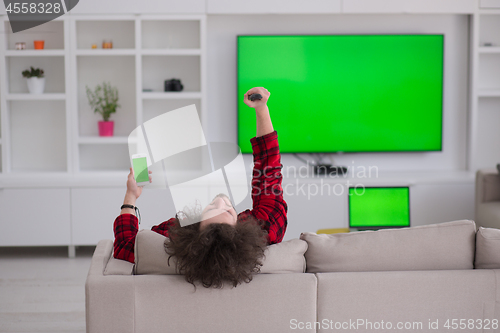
x: 36, y: 85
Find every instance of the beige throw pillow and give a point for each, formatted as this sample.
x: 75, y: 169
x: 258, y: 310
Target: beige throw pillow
x: 447, y: 245
x: 151, y: 258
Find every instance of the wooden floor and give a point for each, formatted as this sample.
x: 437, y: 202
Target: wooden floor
x: 42, y: 290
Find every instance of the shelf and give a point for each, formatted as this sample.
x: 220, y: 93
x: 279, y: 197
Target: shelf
x: 53, y: 67
x: 170, y: 34
x: 489, y: 49
x: 95, y: 140
x: 489, y: 93
x: 105, y: 52
x: 182, y: 52
x: 36, y: 97
x: 171, y: 95
x: 34, y: 53
x: 120, y: 31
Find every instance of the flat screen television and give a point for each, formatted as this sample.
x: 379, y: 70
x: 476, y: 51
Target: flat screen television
x: 379, y: 207
x: 345, y: 93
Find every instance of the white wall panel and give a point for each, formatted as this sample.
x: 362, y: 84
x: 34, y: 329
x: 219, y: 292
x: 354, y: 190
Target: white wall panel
x: 409, y: 6
x: 489, y: 3
x: 431, y: 203
x: 274, y: 7
x: 139, y: 7
x: 33, y: 217
x: 224, y: 29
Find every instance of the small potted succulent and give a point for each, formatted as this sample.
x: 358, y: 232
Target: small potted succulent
x: 35, y: 79
x: 104, y: 100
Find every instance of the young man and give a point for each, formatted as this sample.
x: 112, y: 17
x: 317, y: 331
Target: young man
x: 224, y: 246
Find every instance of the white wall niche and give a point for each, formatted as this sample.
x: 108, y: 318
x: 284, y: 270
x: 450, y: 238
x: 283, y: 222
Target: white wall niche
x: 489, y: 71
x: 38, y: 136
x: 489, y: 27
x: 104, y: 157
x: 174, y: 34
x: 51, y: 32
x: 157, y: 69
x: 154, y: 108
x: 53, y: 68
x: 119, y: 71
x: 120, y: 32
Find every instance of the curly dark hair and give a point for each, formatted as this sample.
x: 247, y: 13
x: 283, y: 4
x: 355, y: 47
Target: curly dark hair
x: 219, y: 252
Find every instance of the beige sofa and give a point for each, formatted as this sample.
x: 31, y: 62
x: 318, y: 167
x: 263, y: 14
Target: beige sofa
x: 408, y: 278
x: 488, y: 198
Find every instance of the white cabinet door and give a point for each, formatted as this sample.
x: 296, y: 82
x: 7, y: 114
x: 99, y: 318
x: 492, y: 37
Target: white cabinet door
x: 273, y: 7
x: 140, y: 7
x: 93, y: 211
x: 409, y: 6
x: 33, y: 217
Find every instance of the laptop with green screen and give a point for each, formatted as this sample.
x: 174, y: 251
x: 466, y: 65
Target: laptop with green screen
x: 379, y: 207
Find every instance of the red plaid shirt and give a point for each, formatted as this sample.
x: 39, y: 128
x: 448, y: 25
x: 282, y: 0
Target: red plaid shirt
x: 267, y: 197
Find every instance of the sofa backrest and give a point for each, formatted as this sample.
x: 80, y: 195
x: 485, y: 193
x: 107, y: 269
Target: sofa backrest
x: 151, y: 258
x: 443, y: 246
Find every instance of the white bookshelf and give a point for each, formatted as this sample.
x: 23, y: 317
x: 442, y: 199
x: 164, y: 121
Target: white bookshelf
x: 35, y: 128
x: 147, y: 50
x: 56, y: 132
x: 485, y: 90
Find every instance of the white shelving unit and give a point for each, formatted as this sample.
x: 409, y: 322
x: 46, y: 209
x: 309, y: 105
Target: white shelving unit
x: 49, y: 143
x: 35, y: 128
x: 147, y: 50
x: 57, y: 131
x: 485, y: 92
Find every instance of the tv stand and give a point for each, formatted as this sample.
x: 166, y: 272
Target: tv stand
x: 330, y: 170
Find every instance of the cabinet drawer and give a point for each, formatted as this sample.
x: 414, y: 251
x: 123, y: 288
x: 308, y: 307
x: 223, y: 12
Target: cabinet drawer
x: 93, y: 211
x: 33, y: 217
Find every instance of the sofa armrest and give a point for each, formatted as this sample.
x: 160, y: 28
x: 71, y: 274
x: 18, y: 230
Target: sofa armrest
x: 109, y: 299
x: 103, y: 252
x: 487, y: 186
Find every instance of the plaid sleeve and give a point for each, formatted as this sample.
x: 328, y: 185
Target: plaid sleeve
x: 125, y: 228
x: 267, y: 192
x: 163, y: 227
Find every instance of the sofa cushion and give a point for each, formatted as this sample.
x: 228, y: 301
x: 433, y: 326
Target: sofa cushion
x: 151, y: 258
x: 118, y: 267
x: 487, y: 248
x: 449, y: 245
x: 150, y: 255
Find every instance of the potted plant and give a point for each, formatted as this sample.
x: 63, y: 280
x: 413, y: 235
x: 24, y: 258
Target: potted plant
x: 35, y: 80
x: 104, y: 100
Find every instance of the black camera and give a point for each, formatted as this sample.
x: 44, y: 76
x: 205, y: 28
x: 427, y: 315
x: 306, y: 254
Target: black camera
x: 173, y: 85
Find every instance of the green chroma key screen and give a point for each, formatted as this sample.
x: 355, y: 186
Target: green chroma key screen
x: 379, y: 207
x: 345, y: 93
x: 140, y: 166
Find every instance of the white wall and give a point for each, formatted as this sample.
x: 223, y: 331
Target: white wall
x: 221, y: 40
x: 430, y: 202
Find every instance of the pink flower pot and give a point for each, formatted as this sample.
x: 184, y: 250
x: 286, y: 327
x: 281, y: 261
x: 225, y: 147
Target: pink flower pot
x: 106, y: 128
